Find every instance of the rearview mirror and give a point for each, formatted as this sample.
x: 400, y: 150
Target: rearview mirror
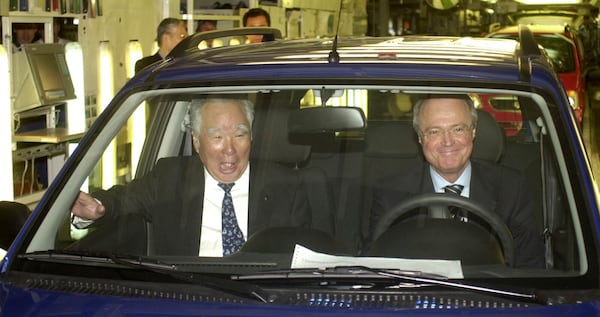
x: 326, y: 119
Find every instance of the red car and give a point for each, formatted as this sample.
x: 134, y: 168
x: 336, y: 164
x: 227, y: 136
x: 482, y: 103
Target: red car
x: 505, y: 109
x: 565, y: 50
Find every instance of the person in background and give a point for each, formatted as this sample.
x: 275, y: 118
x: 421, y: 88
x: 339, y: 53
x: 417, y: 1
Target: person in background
x: 589, y: 34
x: 206, y: 26
x: 57, y: 29
x: 446, y: 127
x: 256, y: 17
x: 169, y: 33
x: 25, y: 33
x: 184, y: 196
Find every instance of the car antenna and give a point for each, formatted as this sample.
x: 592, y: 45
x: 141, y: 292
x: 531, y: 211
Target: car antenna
x: 334, y: 57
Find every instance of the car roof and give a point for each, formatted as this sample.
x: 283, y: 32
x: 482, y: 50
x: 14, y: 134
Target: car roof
x: 368, y: 49
x: 426, y: 56
x: 535, y: 28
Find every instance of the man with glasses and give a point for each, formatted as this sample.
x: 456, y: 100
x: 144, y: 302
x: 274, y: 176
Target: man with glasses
x: 446, y: 127
x: 169, y: 33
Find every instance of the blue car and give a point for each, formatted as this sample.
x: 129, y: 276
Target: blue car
x: 371, y: 177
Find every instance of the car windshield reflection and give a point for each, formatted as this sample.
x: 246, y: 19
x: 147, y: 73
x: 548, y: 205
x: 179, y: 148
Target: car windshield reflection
x: 351, y: 178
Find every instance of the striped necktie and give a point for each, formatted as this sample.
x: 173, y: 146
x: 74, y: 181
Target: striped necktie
x: 454, y: 189
x: 456, y: 212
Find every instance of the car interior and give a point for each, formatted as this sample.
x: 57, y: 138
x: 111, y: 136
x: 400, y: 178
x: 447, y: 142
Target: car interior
x: 341, y: 152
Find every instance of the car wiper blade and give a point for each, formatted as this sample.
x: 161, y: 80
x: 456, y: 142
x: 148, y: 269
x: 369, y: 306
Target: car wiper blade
x: 222, y: 284
x: 340, y: 272
x: 99, y: 258
x: 149, y: 264
x: 459, y: 285
x: 361, y: 272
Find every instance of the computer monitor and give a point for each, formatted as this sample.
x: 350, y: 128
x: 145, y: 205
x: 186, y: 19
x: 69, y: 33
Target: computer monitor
x: 40, y: 76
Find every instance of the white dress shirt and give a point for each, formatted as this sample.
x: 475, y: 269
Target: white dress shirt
x: 439, y: 183
x: 210, y: 238
x: 464, y: 179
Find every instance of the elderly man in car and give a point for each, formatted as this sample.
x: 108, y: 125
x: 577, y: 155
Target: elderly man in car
x: 210, y: 203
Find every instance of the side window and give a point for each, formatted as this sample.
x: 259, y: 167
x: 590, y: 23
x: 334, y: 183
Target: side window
x: 533, y: 149
x: 115, y: 166
x: 506, y: 109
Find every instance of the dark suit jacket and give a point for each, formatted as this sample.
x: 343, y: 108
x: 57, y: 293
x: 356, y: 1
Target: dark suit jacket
x: 146, y: 61
x: 171, y: 198
x: 500, y: 188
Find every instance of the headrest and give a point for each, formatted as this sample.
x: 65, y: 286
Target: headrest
x: 391, y: 139
x: 398, y: 139
x: 489, y: 139
x: 270, y: 139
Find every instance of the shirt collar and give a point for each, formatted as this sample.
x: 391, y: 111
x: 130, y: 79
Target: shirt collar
x: 464, y: 179
x: 242, y: 184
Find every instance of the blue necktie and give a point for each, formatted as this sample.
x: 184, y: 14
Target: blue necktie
x: 233, y: 238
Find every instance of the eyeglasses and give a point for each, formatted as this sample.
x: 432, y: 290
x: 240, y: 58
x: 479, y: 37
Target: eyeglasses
x: 458, y: 131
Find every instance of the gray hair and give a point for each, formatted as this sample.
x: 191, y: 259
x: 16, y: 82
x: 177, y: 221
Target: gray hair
x: 197, y: 105
x: 419, y: 105
x: 167, y: 25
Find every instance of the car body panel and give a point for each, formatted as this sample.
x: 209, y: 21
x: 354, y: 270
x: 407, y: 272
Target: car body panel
x: 55, y: 303
x: 43, y: 274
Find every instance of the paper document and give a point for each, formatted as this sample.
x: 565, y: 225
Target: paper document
x: 305, y: 258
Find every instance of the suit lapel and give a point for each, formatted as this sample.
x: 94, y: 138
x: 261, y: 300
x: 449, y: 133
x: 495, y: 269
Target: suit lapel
x: 193, y: 202
x: 426, y: 185
x: 481, y: 189
x: 254, y: 196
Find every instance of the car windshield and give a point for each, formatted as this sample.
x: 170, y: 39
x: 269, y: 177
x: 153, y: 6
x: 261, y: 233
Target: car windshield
x: 326, y: 184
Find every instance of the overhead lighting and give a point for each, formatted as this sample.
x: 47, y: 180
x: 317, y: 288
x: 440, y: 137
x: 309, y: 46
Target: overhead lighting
x: 76, y: 107
x: 133, y: 53
x: 6, y: 181
x: 547, y: 2
x: 105, y: 93
x: 137, y: 128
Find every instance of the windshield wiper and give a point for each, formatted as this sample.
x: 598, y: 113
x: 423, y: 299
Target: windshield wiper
x: 152, y: 265
x: 97, y: 258
x: 339, y: 272
x: 361, y: 272
x: 448, y: 283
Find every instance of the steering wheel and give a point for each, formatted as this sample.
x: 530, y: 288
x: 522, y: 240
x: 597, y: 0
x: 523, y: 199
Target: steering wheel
x: 438, y: 199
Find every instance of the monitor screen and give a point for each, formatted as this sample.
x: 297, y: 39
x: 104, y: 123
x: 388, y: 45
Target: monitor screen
x: 47, y: 67
x: 40, y: 76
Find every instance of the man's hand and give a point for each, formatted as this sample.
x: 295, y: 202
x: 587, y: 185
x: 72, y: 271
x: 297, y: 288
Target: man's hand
x: 87, y: 207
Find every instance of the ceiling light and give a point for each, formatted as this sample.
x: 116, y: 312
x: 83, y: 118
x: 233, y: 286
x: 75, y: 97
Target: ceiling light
x: 540, y: 2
